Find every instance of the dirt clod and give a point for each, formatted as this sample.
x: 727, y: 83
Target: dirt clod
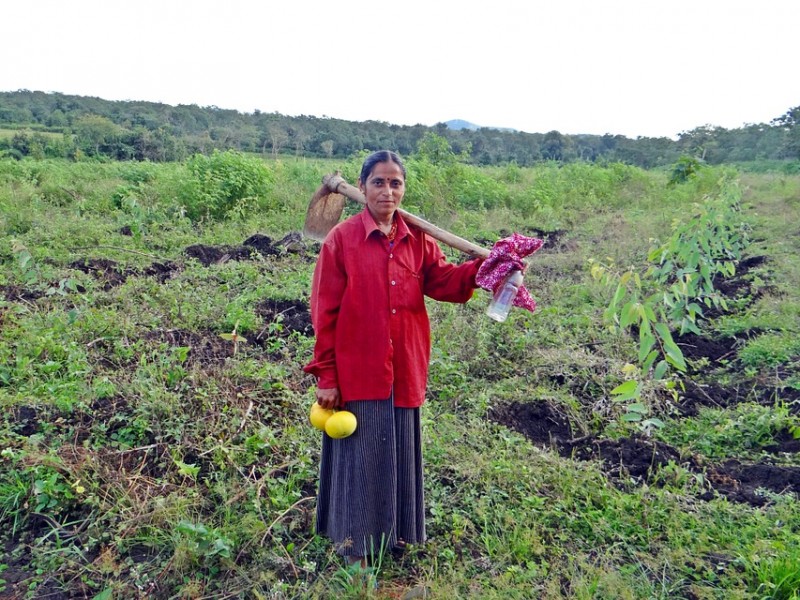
x: 747, y: 482
x: 537, y: 421
x: 103, y: 269
x: 293, y: 315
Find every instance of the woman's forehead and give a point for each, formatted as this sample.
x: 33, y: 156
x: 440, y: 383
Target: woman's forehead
x: 387, y: 170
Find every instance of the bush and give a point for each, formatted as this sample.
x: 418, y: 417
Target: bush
x: 224, y: 183
x: 685, y: 169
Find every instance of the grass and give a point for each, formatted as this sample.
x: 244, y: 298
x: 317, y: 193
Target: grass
x: 141, y: 456
x: 10, y: 133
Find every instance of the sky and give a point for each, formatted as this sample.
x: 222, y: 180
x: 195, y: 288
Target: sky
x: 639, y: 68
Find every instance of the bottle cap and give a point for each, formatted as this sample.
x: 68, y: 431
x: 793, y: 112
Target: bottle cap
x: 515, y: 277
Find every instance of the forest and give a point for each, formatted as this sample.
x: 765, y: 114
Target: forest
x: 55, y: 125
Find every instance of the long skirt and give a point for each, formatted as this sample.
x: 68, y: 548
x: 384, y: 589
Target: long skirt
x: 371, y: 483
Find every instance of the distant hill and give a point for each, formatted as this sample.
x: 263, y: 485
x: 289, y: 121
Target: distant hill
x: 458, y: 124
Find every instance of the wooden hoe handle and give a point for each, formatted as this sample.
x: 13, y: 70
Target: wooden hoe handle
x: 336, y: 184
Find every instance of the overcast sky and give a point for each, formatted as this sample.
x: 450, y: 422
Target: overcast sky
x: 630, y: 67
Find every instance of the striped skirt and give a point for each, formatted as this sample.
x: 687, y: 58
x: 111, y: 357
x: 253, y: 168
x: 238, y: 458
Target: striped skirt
x: 370, y: 484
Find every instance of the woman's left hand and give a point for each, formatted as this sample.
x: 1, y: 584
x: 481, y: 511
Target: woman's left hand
x: 328, y: 397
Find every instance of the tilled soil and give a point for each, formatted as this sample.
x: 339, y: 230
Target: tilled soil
x: 627, y: 460
x: 639, y: 459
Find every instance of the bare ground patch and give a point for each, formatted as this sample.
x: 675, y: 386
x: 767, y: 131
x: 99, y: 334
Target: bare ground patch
x: 639, y: 459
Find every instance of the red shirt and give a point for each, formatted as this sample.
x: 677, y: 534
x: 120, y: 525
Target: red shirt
x: 368, y: 310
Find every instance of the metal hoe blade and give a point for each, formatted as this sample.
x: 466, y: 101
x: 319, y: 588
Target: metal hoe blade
x: 323, y: 213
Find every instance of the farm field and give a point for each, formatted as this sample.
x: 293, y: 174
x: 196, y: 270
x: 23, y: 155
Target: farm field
x: 10, y: 133
x: 635, y: 437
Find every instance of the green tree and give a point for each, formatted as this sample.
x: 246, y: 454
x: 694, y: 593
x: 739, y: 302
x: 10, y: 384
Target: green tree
x: 702, y: 142
x: 436, y: 149
x: 94, y: 132
x: 57, y: 118
x: 790, y: 123
x: 555, y: 146
x: 278, y: 137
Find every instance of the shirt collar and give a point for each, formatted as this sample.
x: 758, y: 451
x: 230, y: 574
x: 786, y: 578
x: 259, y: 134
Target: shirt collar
x: 370, y: 226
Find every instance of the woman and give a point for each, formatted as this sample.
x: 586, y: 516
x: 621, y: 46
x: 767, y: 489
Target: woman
x: 371, y: 358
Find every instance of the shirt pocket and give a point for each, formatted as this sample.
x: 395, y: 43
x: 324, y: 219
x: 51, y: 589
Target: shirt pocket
x: 409, y: 289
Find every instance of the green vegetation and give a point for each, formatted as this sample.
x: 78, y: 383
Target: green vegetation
x: 676, y: 287
x: 154, y: 437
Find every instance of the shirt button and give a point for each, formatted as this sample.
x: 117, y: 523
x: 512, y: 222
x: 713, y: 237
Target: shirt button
x: 394, y: 282
x: 391, y: 256
x: 394, y: 311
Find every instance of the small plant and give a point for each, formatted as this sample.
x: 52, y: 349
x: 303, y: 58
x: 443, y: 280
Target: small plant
x: 634, y: 307
x: 14, y: 492
x: 636, y: 412
x: 234, y: 337
x: 190, y: 471
x: 203, y: 545
x: 51, y: 492
x: 30, y: 275
x: 671, y: 293
x: 125, y: 199
x: 704, y: 247
x: 685, y: 169
x: 26, y: 267
x: 356, y: 581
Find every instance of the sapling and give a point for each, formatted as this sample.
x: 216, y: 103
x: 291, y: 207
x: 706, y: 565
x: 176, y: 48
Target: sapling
x: 234, y: 337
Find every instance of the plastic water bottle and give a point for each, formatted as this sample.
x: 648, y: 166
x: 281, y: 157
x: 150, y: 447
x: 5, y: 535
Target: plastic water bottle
x: 504, y: 296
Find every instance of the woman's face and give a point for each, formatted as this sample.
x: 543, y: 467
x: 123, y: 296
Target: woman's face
x: 384, y: 189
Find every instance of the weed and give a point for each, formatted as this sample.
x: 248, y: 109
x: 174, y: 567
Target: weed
x: 768, y: 351
x: 776, y: 576
x: 720, y: 433
x: 14, y: 493
x: 203, y: 545
x: 360, y: 581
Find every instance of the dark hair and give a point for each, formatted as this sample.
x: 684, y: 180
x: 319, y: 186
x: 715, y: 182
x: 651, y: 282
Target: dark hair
x: 380, y: 156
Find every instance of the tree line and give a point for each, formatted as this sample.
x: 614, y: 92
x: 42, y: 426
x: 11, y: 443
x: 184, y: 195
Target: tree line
x: 58, y: 125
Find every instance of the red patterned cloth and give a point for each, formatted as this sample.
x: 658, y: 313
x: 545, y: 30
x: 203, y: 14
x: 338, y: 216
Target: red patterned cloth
x: 505, y: 256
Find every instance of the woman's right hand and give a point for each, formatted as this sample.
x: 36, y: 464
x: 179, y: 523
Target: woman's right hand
x: 328, y: 397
